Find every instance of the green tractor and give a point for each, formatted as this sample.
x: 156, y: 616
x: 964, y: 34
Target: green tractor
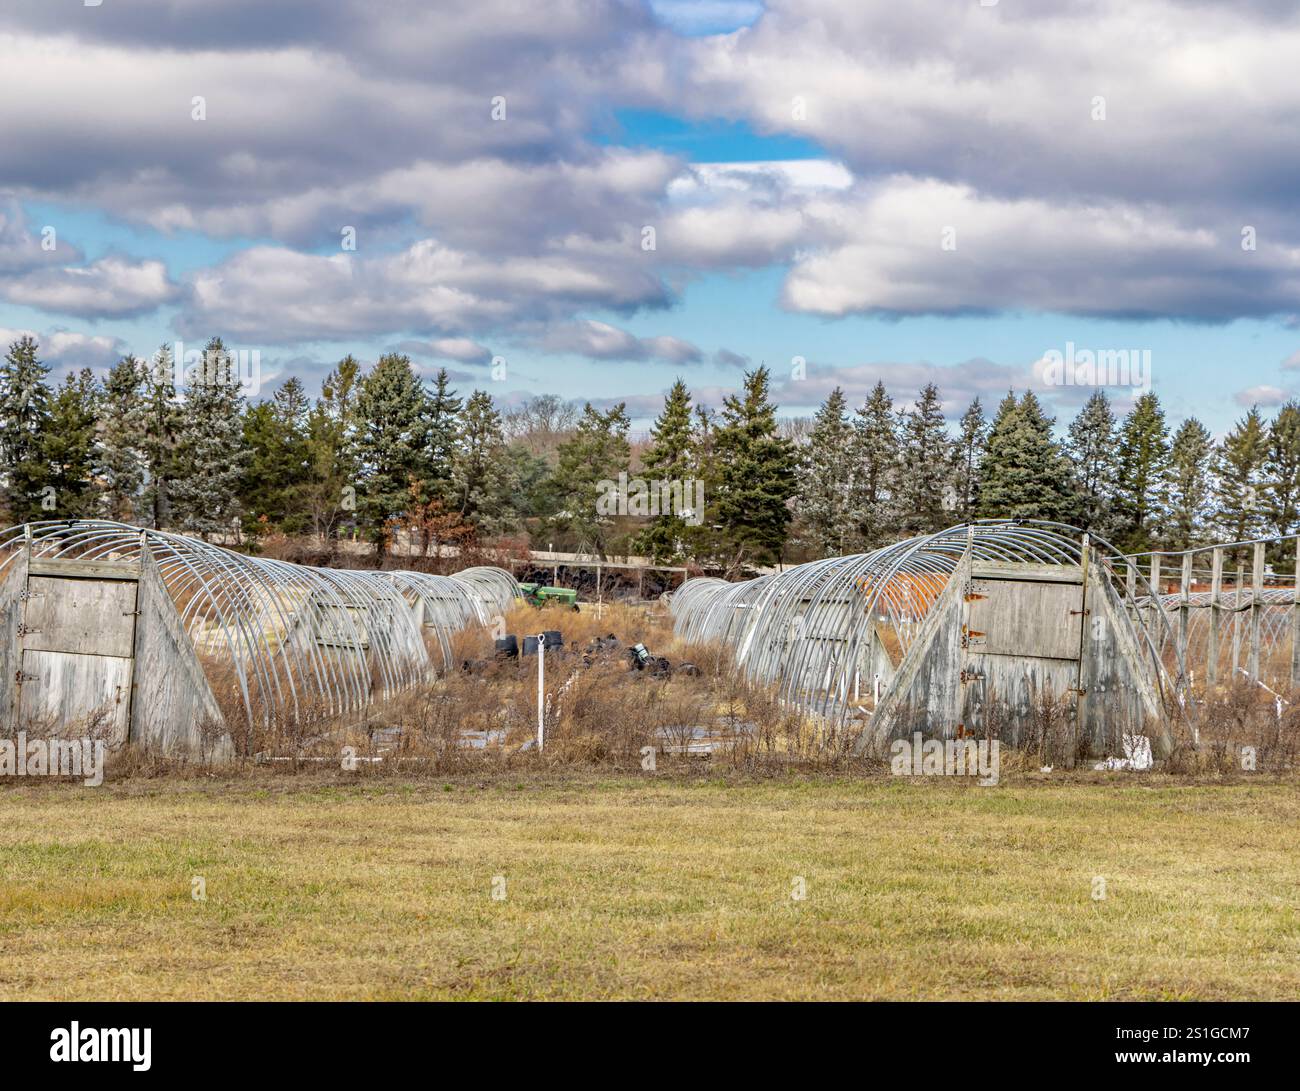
x: 538, y: 595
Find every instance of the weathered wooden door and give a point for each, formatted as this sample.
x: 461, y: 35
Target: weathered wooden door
x: 75, y: 645
x: 1022, y: 636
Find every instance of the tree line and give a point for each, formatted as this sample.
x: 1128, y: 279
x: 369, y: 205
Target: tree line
x: 380, y: 453
x: 876, y: 474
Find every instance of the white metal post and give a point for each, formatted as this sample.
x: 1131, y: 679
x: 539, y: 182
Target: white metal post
x: 541, y: 690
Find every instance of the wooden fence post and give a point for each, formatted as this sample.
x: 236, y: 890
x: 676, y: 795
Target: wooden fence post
x: 1184, y: 607
x: 1154, y: 619
x: 1236, y: 618
x: 1256, y: 605
x: 1216, y: 593
x: 1295, y: 620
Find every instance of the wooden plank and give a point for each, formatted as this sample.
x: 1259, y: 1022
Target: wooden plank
x: 1156, y: 611
x: 1014, y: 570
x: 1185, y: 589
x: 80, y: 616
x: 90, y: 570
x: 67, y: 693
x: 1236, y: 619
x: 1256, y: 608
x: 12, y: 604
x: 1295, y: 620
x: 173, y: 710
x: 1038, y: 619
x: 1216, y: 596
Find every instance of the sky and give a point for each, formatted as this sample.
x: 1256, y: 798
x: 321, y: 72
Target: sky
x: 595, y: 198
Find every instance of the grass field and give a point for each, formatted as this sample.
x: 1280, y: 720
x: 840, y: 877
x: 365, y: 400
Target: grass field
x: 667, y: 887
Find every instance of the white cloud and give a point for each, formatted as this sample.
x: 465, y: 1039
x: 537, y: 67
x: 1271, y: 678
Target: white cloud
x: 109, y: 286
x: 1265, y: 396
x: 65, y: 349
x: 601, y: 341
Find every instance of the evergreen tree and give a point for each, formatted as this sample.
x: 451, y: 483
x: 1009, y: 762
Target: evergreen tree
x: 876, y: 453
x: 24, y: 420
x: 210, y: 455
x: 1281, y: 484
x: 389, y: 436
x: 1190, y: 479
x: 704, y: 539
x: 1026, y: 474
x: 597, y: 453
x: 481, y: 473
x: 279, y: 462
x: 758, y: 474
x: 442, y: 410
x: 121, y: 460
x: 1091, y: 447
x: 669, y: 460
x: 825, y: 499
x: 69, y: 450
x: 926, y: 493
x: 1239, y: 474
x: 329, y: 497
x: 1141, y: 486
x: 160, y: 432
x: 967, y: 455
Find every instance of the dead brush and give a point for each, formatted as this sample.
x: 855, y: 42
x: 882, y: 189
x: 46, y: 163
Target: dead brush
x: 1242, y: 728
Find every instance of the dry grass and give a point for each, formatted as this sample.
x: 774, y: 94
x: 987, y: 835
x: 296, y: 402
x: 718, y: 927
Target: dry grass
x: 649, y: 887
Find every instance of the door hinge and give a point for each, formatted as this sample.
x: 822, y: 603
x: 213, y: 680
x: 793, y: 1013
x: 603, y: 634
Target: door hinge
x: 1076, y: 613
x: 971, y: 676
x: 23, y: 630
x: 20, y: 677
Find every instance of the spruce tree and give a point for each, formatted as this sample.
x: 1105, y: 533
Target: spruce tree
x: 876, y: 457
x: 1281, y: 484
x: 1141, y: 485
x: 704, y: 539
x: 597, y: 452
x: 442, y: 410
x: 210, y: 455
x: 159, y: 435
x: 1026, y: 473
x: 24, y: 420
x: 926, y: 494
x: 481, y: 472
x: 123, y: 425
x: 1091, y: 447
x: 668, y: 459
x: 330, y: 495
x: 1239, y: 478
x: 1190, y: 478
x: 68, y: 447
x: 272, y: 496
x: 389, y: 436
x: 968, y: 452
x: 826, y: 468
x: 758, y: 474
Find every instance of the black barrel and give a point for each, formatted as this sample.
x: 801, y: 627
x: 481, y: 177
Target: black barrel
x: 530, y: 645
x: 508, y: 647
x: 554, y: 638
